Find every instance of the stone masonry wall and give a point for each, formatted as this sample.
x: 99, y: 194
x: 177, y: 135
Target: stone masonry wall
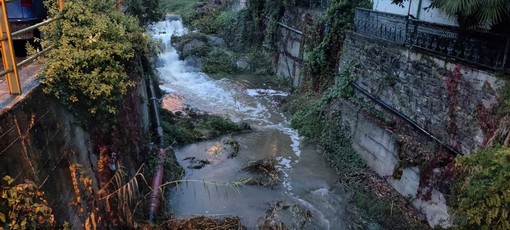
x: 379, y: 148
x: 423, y: 87
x: 456, y: 108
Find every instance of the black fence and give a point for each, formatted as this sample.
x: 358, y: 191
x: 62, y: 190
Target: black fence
x: 321, y: 4
x: 480, y: 48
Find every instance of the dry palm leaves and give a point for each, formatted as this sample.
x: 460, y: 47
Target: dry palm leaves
x: 202, y: 222
x: 270, y: 174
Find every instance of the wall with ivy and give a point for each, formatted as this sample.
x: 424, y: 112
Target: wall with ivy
x: 458, y: 104
x: 455, y: 102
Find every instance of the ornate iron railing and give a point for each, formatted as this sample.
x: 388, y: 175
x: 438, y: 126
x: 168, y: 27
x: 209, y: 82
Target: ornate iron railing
x: 322, y: 4
x: 480, y: 48
x: 390, y: 27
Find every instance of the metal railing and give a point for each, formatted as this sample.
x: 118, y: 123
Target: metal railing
x: 313, y: 4
x: 480, y: 48
x: 7, y: 48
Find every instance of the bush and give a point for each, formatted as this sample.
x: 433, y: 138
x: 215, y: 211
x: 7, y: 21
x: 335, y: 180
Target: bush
x: 482, y: 191
x: 219, y: 60
x: 94, y: 43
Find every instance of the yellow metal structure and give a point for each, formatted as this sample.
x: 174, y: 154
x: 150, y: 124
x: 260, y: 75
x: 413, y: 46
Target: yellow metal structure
x: 8, y: 57
x: 60, y: 4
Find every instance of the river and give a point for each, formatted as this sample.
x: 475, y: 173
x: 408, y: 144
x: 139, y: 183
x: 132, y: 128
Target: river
x: 307, y: 186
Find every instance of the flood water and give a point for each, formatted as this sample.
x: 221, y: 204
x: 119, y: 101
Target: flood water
x: 307, y: 184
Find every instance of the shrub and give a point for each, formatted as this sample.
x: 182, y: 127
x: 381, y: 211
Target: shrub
x: 93, y: 45
x: 482, y: 191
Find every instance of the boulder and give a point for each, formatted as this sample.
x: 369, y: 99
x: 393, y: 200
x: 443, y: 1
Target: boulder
x: 216, y: 41
x: 192, y: 47
x: 242, y: 64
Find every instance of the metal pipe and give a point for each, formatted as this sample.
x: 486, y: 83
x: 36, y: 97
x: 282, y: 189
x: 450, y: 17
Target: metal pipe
x: 418, y: 11
x: 156, y: 193
x: 31, y: 58
x: 505, y: 55
x: 33, y: 27
x: 5, y: 72
x: 285, y: 26
x: 405, y: 118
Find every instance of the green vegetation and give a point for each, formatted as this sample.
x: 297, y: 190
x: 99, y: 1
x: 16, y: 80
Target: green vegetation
x: 315, y: 118
x: 147, y: 11
x: 324, y: 44
x: 179, y: 6
x: 482, y: 191
x: 195, y: 127
x: 95, y: 44
x: 22, y: 206
x: 219, y: 60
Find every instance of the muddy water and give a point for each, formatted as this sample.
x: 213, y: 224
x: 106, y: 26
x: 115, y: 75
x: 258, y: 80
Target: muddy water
x: 307, y: 185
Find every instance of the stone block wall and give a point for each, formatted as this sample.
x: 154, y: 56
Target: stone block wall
x: 425, y: 88
x: 379, y: 149
x: 454, y: 102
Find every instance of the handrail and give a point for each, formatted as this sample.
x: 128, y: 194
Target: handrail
x: 481, y: 48
x: 285, y: 26
x: 34, y: 56
x: 406, y: 119
x: 33, y: 27
x: 8, y: 57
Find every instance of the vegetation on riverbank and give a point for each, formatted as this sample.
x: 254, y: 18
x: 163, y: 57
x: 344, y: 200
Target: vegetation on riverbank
x: 371, y: 198
x: 310, y: 107
x: 222, y: 41
x: 195, y: 126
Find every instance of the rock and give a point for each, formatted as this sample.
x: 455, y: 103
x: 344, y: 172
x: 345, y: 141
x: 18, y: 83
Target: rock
x: 194, y: 61
x: 216, y: 41
x: 242, y: 64
x: 195, y: 163
x: 192, y: 47
x: 159, y: 63
x: 161, y: 46
x: 245, y: 125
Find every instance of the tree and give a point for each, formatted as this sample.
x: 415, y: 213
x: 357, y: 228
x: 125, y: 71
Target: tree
x: 147, y: 11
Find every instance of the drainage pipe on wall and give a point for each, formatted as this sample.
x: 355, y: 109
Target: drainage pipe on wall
x: 155, y: 195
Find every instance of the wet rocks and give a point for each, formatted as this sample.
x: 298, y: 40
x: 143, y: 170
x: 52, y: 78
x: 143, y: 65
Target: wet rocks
x: 192, y: 47
x: 195, y: 163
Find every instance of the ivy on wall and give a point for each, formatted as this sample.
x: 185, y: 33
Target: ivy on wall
x: 324, y: 45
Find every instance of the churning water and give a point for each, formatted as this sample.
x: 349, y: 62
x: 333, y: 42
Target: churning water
x: 307, y: 183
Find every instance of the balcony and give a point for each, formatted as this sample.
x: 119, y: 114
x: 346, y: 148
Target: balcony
x: 479, y: 48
